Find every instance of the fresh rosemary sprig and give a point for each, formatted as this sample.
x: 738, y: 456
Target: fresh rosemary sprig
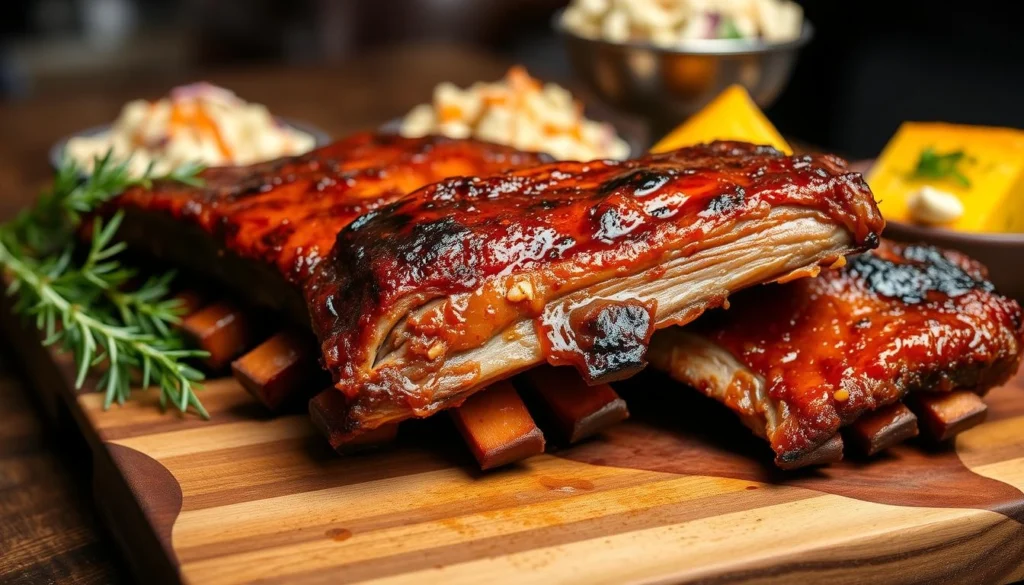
x: 47, y: 227
x: 84, y: 300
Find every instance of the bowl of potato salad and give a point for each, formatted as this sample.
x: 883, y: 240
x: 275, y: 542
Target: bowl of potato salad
x: 666, y: 59
x: 519, y: 111
x: 194, y: 123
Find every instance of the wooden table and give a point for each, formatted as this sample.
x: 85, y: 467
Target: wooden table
x: 48, y: 530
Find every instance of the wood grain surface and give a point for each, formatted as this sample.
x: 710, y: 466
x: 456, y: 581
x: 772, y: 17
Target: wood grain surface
x: 679, y: 493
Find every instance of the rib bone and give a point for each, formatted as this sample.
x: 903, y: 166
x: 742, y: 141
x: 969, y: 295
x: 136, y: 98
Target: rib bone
x: 497, y: 427
x: 579, y: 411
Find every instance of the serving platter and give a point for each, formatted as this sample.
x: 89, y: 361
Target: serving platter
x: 677, y: 494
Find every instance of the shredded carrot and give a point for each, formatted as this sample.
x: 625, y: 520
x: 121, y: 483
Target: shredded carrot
x: 190, y: 115
x: 450, y: 113
x: 520, y: 81
x: 494, y: 99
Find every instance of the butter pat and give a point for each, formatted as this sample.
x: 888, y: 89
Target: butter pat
x: 732, y: 115
x: 934, y: 206
x: 991, y: 195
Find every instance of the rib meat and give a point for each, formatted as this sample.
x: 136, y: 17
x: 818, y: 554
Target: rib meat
x: 796, y: 362
x: 471, y: 280
x: 262, y: 230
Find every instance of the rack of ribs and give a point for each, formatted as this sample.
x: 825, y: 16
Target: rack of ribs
x: 797, y: 362
x: 261, y: 230
x: 471, y: 280
x: 596, y: 255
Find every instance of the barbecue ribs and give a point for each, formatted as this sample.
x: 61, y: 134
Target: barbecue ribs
x: 262, y: 230
x: 798, y: 361
x: 471, y: 280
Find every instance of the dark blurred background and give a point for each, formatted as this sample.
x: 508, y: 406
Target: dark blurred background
x: 872, y: 64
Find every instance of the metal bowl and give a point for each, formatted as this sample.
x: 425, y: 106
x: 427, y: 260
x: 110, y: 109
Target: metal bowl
x: 56, y: 153
x: 666, y: 85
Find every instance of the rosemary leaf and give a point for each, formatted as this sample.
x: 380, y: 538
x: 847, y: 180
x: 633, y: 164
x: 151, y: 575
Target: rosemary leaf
x: 89, y: 307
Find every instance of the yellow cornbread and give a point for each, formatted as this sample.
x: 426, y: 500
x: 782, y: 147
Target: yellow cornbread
x: 993, y: 166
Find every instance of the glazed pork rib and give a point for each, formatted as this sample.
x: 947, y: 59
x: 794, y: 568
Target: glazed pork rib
x: 798, y: 361
x: 262, y: 230
x: 472, y: 280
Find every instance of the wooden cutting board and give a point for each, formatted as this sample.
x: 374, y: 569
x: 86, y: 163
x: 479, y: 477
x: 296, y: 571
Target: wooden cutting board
x: 680, y: 493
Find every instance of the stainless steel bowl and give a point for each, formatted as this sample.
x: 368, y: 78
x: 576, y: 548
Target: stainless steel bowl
x: 666, y: 86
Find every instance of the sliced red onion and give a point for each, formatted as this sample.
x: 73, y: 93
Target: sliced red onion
x: 203, y: 89
x: 713, y: 19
